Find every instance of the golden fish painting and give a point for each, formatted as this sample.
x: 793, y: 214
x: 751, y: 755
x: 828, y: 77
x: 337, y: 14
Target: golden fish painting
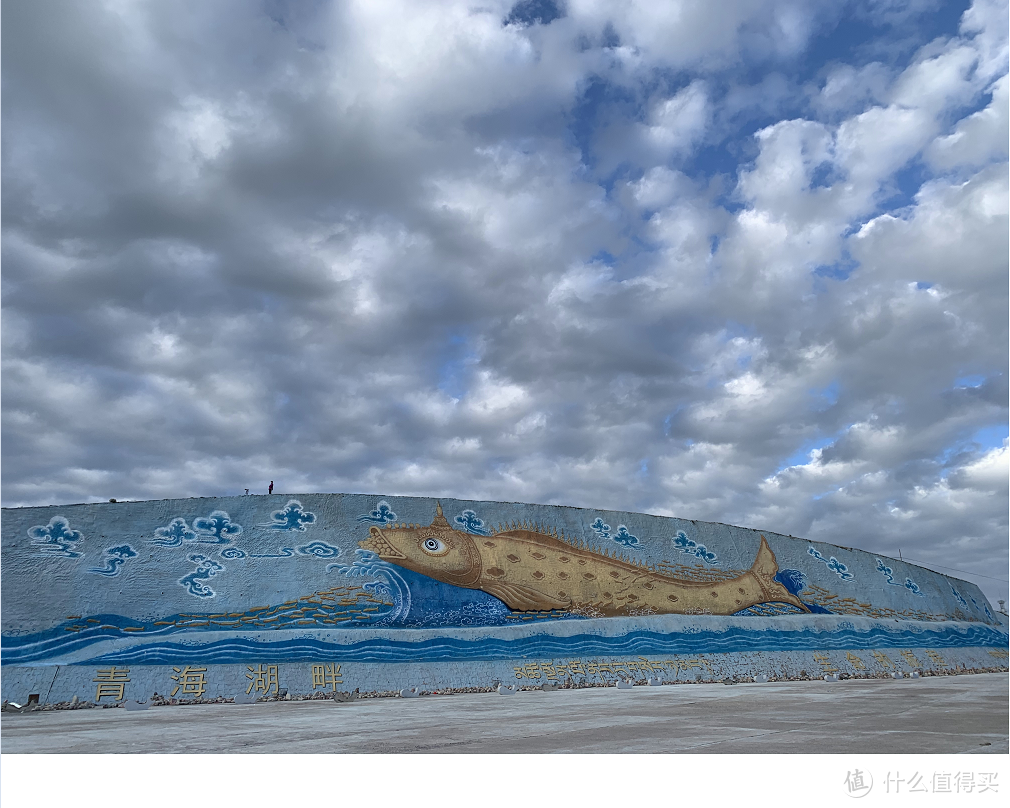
x: 531, y: 568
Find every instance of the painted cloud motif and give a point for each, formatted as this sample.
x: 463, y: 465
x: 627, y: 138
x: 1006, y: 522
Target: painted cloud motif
x: 691, y: 547
x: 962, y: 601
x: 291, y: 517
x: 888, y: 573
x: 213, y: 529
x: 56, y: 539
x: 833, y: 564
x: 115, y: 557
x: 600, y: 528
x: 913, y: 587
x: 622, y: 536
x: 319, y: 549
x: 216, y: 528
x: 173, y: 534
x: 382, y: 515
x: 206, y: 568
x: 284, y: 552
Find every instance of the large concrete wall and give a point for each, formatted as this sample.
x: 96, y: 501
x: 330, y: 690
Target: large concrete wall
x: 278, y: 592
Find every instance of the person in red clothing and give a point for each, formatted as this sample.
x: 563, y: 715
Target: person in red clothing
x: 270, y: 490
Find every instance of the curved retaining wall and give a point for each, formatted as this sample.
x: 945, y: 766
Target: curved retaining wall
x: 313, y: 593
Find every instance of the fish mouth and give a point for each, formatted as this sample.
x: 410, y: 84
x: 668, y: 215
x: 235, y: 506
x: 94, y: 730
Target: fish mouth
x: 381, y: 546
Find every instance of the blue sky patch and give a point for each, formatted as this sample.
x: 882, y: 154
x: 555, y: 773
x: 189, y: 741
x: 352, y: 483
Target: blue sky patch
x: 990, y: 437
x: 801, y: 456
x: 535, y: 12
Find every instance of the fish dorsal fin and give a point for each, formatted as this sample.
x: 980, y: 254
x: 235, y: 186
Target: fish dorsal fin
x: 522, y: 598
x: 439, y: 520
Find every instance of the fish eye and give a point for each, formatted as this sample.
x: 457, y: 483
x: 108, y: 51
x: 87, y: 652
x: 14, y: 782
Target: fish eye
x: 433, y: 546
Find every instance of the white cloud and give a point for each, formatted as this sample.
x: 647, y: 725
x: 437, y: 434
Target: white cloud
x: 677, y: 123
x: 661, y: 257
x: 847, y: 87
x: 978, y: 139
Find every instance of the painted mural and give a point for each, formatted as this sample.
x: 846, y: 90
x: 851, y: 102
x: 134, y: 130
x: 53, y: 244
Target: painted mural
x: 338, y: 579
x: 533, y: 569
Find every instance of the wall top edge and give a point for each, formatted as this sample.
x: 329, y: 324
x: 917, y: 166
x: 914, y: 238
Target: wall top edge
x: 449, y: 498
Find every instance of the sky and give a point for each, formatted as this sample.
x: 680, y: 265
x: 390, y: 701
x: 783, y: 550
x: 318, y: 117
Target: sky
x: 743, y: 262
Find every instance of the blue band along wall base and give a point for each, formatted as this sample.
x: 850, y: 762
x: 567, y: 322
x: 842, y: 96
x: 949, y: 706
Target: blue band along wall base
x: 314, y: 593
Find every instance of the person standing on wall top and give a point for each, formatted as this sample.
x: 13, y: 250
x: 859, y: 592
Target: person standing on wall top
x: 270, y: 490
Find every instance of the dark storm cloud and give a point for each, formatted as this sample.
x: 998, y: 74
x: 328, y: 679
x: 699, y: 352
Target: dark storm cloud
x: 746, y: 264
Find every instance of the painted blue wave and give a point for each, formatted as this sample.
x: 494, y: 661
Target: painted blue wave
x: 545, y: 646
x: 56, y: 642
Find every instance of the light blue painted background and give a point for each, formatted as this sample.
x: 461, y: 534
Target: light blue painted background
x: 41, y: 590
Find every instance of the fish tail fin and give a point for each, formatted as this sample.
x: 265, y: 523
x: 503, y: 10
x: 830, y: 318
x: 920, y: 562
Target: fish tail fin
x: 766, y: 567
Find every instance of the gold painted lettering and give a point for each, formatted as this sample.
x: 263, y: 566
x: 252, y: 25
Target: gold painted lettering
x: 191, y: 681
x: 822, y: 659
x: 326, y: 675
x: 111, y: 682
x: 854, y: 661
x: 909, y: 657
x: 262, y: 679
x: 883, y: 660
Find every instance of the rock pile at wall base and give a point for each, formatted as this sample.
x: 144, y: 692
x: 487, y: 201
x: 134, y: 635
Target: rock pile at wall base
x: 205, y: 683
